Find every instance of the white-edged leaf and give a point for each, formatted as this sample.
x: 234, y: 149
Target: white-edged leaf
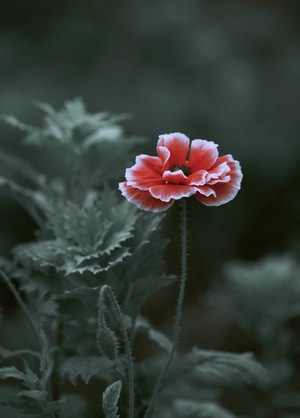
x: 110, y: 399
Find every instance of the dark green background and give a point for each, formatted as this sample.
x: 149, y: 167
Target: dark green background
x: 227, y: 71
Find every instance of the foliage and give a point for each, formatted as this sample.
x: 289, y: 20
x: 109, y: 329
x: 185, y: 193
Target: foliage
x: 110, y: 399
x: 263, y: 299
x: 85, y: 277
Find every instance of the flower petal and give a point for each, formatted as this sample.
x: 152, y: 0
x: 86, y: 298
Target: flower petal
x: 146, y: 172
x: 219, y: 173
x: 168, y: 192
x: 203, y: 155
x: 175, y: 177
x: 143, y: 199
x: 205, y: 191
x: 224, y: 192
x: 178, y: 146
x: 199, y: 178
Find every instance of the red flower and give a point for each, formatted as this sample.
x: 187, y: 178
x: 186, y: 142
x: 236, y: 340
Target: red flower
x: 181, y: 170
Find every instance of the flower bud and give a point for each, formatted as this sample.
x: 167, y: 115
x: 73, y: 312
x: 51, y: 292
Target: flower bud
x: 107, y: 342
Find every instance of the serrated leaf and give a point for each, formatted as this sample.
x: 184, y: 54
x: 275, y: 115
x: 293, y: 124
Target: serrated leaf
x: 89, y: 366
x: 89, y: 237
x: 64, y: 125
x: 110, y: 399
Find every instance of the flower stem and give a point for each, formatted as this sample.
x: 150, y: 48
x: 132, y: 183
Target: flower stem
x: 23, y: 307
x: 116, y: 306
x: 163, y: 374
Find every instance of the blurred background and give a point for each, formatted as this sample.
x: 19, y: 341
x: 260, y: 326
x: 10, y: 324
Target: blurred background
x: 227, y: 71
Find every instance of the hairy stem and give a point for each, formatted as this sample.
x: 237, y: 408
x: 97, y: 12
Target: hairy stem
x: 23, y: 307
x: 183, y: 278
x: 117, y: 308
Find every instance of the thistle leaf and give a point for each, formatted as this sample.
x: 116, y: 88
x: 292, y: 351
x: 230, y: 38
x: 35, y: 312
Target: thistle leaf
x: 86, y: 367
x: 87, y: 237
x: 110, y: 399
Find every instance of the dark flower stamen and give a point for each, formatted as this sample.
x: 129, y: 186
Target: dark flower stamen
x: 184, y: 168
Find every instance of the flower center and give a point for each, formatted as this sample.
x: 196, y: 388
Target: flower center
x: 184, y: 168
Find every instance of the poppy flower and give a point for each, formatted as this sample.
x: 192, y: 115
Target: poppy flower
x: 181, y: 169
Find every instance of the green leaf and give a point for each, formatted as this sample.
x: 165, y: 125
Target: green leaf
x: 88, y: 366
x: 149, y: 286
x: 24, y: 169
x: 6, y: 354
x: 13, y: 121
x: 10, y: 371
x: 194, y: 409
x: 260, y: 296
x: 91, y: 236
x: 219, y: 368
x: 39, y: 395
x: 46, y: 364
x: 29, y: 199
x: 110, y: 399
x: 80, y: 292
x: 54, y: 406
x: 66, y: 124
x: 146, y: 249
x: 89, y: 147
x: 31, y: 380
